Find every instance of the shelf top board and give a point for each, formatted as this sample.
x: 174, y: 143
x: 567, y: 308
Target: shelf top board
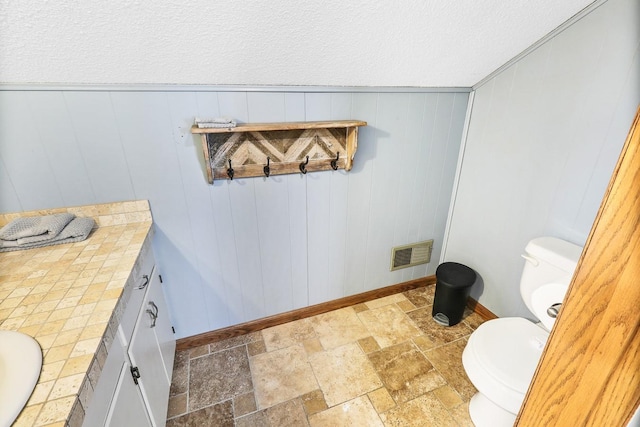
x: 253, y: 127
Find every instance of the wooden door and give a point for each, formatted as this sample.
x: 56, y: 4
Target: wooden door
x: 589, y: 373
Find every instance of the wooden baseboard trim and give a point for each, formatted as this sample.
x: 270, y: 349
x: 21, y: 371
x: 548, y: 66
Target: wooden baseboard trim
x: 301, y: 313
x: 480, y: 309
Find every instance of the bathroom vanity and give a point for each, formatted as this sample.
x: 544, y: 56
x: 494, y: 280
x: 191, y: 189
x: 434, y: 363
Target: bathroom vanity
x: 98, y: 311
x: 133, y: 388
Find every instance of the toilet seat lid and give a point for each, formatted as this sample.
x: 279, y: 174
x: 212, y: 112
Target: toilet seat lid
x: 509, y: 349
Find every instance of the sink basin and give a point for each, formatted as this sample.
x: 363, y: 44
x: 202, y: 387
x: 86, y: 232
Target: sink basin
x: 20, y: 365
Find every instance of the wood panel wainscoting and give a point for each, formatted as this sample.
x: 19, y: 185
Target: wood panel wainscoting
x: 589, y: 373
x: 301, y: 313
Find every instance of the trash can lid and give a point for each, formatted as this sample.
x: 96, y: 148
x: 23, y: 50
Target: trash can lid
x: 455, y: 275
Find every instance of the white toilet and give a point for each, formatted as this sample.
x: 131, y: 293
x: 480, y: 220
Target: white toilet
x: 502, y: 354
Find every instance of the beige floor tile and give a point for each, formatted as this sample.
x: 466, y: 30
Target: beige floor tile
x: 344, y: 373
x: 312, y: 346
x: 355, y: 413
x: 314, y: 402
x: 180, y: 378
x: 338, y: 327
x: 425, y: 410
x: 380, y: 302
x: 381, y: 400
x: 281, y: 375
x: 369, y: 345
x: 244, y: 404
x: 437, y: 333
x: 360, y: 307
x: 177, y: 405
x: 421, y: 297
x: 448, y: 361
x: 472, y: 319
x: 447, y: 396
x: 198, y: 351
x: 216, y: 377
x: 257, y: 419
x: 406, y: 305
x: 461, y: 414
x: 290, y: 413
x: 389, y: 325
x: 288, y: 334
x: 423, y: 342
x: 235, y: 341
x: 405, y: 372
x: 385, y: 360
x: 219, y: 415
x: 256, y: 347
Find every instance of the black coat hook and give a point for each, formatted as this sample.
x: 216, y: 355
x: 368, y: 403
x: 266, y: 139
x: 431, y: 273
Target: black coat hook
x: 230, y: 171
x: 303, y: 166
x: 334, y: 162
x: 267, y: 169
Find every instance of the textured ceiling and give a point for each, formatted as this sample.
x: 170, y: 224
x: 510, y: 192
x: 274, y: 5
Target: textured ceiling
x: 425, y: 43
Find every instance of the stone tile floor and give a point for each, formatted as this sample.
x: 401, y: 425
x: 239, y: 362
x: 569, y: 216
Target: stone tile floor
x: 381, y: 363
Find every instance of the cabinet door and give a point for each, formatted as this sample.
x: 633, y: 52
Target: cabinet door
x: 105, y: 391
x: 127, y: 407
x: 145, y: 353
x: 163, y: 329
x: 141, y: 276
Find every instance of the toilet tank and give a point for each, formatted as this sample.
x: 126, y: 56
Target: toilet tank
x: 547, y: 260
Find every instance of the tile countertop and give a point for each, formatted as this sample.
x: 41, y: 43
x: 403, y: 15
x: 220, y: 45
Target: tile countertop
x: 70, y: 298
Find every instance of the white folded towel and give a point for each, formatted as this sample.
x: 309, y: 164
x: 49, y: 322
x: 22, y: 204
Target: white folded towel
x: 216, y: 122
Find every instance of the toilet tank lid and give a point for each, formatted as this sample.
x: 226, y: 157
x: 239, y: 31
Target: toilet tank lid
x: 557, y: 252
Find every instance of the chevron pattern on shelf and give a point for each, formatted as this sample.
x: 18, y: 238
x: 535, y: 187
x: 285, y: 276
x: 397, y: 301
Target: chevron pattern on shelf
x: 249, y: 149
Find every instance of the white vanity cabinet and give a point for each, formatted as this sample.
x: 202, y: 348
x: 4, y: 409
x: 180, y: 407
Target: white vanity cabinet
x: 133, y: 388
x: 151, y: 352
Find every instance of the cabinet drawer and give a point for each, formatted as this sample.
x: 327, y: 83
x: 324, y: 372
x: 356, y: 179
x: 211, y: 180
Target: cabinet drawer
x: 141, y: 276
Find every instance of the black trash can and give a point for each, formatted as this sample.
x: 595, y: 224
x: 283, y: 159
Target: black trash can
x: 453, y: 285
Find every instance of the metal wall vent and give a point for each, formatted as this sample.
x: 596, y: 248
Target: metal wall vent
x: 410, y: 255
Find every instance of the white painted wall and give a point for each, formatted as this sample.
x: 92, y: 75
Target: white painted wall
x: 245, y: 249
x: 423, y: 43
x: 543, y: 139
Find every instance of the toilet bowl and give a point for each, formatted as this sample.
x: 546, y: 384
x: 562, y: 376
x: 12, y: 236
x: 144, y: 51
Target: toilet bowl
x: 500, y: 359
x: 501, y: 355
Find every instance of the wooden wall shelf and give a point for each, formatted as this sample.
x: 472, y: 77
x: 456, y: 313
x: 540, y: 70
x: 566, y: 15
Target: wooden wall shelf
x: 286, y: 145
